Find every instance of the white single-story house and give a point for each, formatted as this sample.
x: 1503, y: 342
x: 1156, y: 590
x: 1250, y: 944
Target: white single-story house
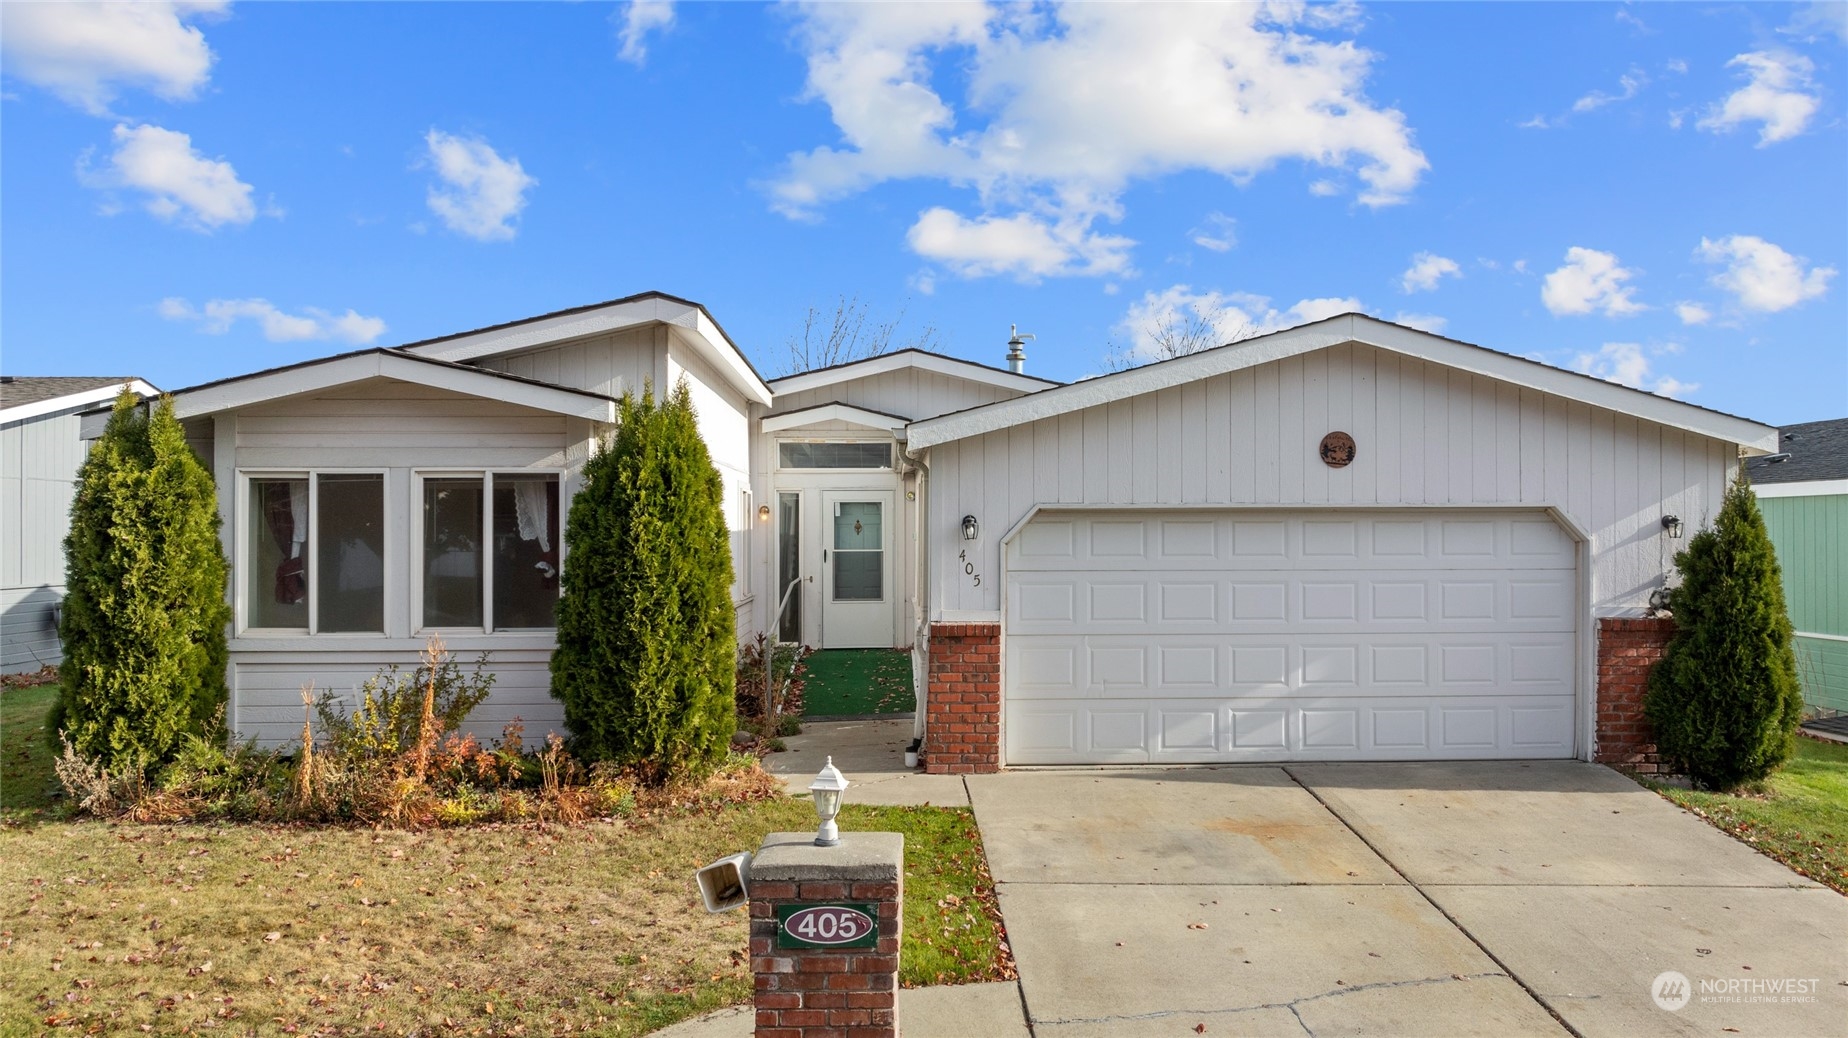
x: 40, y: 452
x: 1345, y: 541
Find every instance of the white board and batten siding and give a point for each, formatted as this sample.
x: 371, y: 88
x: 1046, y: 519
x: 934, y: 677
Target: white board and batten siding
x: 39, y: 458
x: 1435, y: 444
x: 401, y: 429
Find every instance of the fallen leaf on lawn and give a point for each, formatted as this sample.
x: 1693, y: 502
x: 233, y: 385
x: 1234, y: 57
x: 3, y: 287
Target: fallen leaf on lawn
x: 272, y: 937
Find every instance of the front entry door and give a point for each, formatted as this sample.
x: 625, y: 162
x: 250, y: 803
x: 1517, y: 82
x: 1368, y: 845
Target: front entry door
x: 856, y: 568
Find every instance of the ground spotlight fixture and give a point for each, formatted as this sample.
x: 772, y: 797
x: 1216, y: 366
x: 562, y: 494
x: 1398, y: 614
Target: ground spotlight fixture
x: 1672, y: 523
x: 971, y: 528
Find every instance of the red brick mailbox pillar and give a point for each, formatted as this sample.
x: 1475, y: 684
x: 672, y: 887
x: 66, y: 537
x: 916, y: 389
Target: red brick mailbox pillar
x: 824, y: 935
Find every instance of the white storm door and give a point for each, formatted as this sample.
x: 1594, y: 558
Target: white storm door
x: 856, y: 569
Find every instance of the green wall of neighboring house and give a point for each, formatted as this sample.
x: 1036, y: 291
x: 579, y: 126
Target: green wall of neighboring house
x: 1811, y: 537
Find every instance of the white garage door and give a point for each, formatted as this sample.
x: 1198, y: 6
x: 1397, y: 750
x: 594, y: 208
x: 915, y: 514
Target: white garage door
x: 1171, y: 637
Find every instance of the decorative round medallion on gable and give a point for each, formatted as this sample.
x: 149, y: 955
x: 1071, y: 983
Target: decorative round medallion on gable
x: 1337, y: 449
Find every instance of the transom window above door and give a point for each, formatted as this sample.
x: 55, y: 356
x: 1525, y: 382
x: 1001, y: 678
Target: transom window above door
x: 835, y: 454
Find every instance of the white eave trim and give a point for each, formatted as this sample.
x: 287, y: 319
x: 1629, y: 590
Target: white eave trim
x: 1755, y: 437
x: 836, y: 413
x: 340, y: 371
x: 902, y: 359
x: 1805, y: 488
x: 720, y: 351
x: 70, y: 401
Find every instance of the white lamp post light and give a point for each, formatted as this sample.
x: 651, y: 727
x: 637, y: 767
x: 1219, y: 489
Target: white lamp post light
x: 827, y: 789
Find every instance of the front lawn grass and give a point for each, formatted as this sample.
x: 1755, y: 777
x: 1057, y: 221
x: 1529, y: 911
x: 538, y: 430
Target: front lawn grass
x: 1799, y: 815
x: 27, y: 781
x: 504, y: 929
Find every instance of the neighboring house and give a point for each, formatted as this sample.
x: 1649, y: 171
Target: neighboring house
x: 1349, y: 540
x: 39, y: 455
x: 1803, y: 493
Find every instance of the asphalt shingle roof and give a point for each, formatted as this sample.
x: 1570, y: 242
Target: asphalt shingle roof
x: 1817, y: 450
x: 18, y: 390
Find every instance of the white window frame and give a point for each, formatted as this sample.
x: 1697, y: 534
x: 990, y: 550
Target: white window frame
x: 245, y: 477
x: 416, y: 569
x: 891, y: 453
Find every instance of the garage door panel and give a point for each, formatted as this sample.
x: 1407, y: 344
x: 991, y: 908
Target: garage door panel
x: 1486, y: 600
x: 1135, y: 543
x: 1316, y: 636
x: 1235, y: 666
x: 1331, y: 728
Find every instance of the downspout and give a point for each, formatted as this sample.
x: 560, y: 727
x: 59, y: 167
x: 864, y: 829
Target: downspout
x: 920, y: 640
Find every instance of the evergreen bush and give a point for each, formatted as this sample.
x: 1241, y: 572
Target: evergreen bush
x: 1724, y: 700
x: 647, y: 649
x: 144, y: 610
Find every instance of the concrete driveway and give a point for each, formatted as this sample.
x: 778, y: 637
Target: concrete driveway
x: 1417, y: 899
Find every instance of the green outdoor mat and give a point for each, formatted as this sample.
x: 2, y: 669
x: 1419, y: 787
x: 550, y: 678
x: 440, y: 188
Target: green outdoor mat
x: 851, y: 682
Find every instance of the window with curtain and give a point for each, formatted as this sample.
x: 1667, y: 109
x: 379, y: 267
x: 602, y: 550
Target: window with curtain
x: 490, y: 551
x: 317, y: 540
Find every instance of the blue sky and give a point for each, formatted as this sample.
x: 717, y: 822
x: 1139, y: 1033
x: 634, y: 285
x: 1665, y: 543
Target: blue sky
x: 1654, y: 193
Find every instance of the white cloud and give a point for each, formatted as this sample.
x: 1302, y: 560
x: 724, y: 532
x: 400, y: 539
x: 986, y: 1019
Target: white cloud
x: 640, y: 18
x: 1676, y: 66
x: 1426, y: 271
x: 1693, y: 313
x: 481, y: 192
x: 1064, y: 108
x: 1324, y: 189
x: 1223, y: 316
x: 1023, y: 245
x: 1777, y: 94
x: 86, y: 52
x: 1630, y: 82
x: 218, y: 315
x: 1219, y: 233
x: 182, y: 186
x: 1812, y: 21
x: 1423, y: 322
x: 1762, y: 276
x: 1628, y: 364
x: 1590, y: 280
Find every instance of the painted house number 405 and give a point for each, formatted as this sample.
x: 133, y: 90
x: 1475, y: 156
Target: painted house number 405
x: 969, y: 568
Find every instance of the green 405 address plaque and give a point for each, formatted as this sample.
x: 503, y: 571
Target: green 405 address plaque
x: 827, y: 926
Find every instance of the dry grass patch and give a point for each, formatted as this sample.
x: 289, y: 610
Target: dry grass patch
x: 490, y: 930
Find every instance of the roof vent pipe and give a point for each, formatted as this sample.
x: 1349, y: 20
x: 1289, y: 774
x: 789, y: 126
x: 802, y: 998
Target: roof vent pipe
x: 1016, y: 350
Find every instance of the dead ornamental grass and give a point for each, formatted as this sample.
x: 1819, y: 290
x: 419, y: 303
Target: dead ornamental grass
x: 265, y: 929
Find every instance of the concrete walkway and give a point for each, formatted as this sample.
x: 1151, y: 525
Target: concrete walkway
x: 1537, y: 898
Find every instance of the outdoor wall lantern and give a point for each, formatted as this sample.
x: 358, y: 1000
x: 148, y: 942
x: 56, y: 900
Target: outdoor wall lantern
x: 1672, y: 523
x: 763, y: 513
x: 970, y: 528
x: 827, y: 789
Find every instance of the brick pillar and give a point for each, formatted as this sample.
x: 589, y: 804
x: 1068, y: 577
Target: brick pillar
x: 1628, y: 646
x: 962, y: 700
x: 839, y: 992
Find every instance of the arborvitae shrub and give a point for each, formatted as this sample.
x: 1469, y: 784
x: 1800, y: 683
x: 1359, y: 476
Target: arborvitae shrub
x: 144, y: 610
x: 1724, y: 700
x: 647, y: 648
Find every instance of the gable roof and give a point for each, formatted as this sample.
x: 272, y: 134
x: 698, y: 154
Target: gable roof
x: 898, y: 360
x: 388, y: 362
x: 29, y: 396
x: 1334, y: 331
x: 691, y: 319
x: 836, y: 412
x: 1806, y: 452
